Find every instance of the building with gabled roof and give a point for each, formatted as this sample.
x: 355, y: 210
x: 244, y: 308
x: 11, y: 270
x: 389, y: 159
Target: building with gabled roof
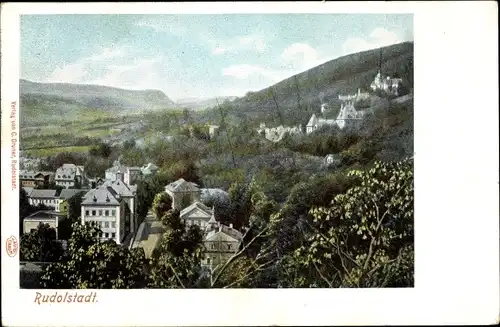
x: 196, y: 214
x: 220, y: 242
x: 45, y: 197
x: 182, y: 193
x: 68, y: 175
x: 112, y: 206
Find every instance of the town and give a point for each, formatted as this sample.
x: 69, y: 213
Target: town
x: 241, y: 154
x: 69, y: 196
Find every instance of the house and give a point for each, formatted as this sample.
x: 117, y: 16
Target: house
x: 45, y: 197
x: 128, y: 193
x: 113, y: 207
x: 388, y: 85
x: 275, y: 134
x: 149, y: 169
x: 315, y: 123
x: 348, y: 116
x: 34, y: 179
x: 69, y: 175
x: 196, y: 214
x: 182, y: 193
x: 355, y: 97
x: 48, y: 217
x: 220, y: 242
x: 105, y: 207
x: 110, y: 173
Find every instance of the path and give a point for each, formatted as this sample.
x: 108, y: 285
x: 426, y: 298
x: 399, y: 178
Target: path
x: 148, y: 234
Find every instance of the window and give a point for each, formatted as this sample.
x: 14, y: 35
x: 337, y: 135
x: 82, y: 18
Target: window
x: 106, y: 212
x: 113, y: 224
x: 208, y: 260
x: 106, y: 224
x: 106, y: 235
x: 229, y: 246
x: 113, y: 212
x: 212, y: 246
x: 93, y: 212
x: 100, y: 212
x: 113, y: 235
x: 86, y: 212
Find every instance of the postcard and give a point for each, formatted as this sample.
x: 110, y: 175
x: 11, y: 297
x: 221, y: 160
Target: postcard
x: 212, y: 164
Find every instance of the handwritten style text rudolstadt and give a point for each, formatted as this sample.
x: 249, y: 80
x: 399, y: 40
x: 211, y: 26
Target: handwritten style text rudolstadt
x: 13, y: 144
x: 65, y: 297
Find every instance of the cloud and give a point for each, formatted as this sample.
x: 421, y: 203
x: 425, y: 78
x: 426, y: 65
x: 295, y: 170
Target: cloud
x: 72, y: 73
x: 252, y: 42
x: 142, y: 74
x: 379, y: 37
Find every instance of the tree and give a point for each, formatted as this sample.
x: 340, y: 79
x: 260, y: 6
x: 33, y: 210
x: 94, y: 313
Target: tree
x: 161, y: 204
x: 92, y: 263
x: 72, y: 216
x: 364, y: 238
x: 175, y: 263
x: 40, y: 245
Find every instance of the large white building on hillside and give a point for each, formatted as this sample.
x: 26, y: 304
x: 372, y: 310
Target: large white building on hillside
x: 112, y: 206
x: 388, y: 84
x: 348, y: 116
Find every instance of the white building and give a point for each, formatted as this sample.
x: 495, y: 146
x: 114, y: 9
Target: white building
x: 196, y: 214
x: 355, y: 97
x: 388, y: 85
x: 348, y: 115
x: 113, y: 207
x: 315, y: 123
x: 45, y: 197
x: 69, y: 174
x: 275, y: 134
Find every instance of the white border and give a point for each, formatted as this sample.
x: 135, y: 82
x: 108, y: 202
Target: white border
x: 456, y: 189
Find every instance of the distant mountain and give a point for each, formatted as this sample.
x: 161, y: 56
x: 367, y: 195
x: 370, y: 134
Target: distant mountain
x: 46, y: 100
x: 301, y: 95
x: 200, y: 104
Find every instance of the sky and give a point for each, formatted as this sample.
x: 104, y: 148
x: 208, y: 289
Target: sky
x: 196, y: 56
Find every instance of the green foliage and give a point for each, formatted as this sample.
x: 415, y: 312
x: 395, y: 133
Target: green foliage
x: 175, y: 263
x: 364, y: 238
x: 161, y: 204
x: 40, y: 245
x: 95, y: 264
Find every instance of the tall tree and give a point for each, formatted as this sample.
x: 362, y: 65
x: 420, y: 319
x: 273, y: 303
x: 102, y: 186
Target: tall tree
x: 92, y: 263
x: 40, y: 245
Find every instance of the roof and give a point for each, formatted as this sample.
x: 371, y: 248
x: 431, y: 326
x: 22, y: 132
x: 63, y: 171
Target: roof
x: 45, y: 214
x: 196, y: 205
x: 25, y: 174
x: 224, y: 230
x: 28, y: 190
x: 119, y: 187
x: 181, y: 185
x: 313, y: 121
x: 69, y: 193
x: 43, y: 194
x: 104, y: 195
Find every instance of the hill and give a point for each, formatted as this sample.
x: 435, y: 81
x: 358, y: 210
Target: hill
x: 200, y: 104
x: 44, y: 101
x: 301, y: 95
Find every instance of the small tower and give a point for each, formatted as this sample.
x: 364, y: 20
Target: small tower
x: 212, y: 223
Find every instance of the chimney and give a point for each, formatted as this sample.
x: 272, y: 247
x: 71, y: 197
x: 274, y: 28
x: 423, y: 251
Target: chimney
x: 231, y: 226
x: 220, y: 228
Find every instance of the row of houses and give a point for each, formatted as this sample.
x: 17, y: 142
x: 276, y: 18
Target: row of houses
x: 220, y: 241
x: 67, y: 176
